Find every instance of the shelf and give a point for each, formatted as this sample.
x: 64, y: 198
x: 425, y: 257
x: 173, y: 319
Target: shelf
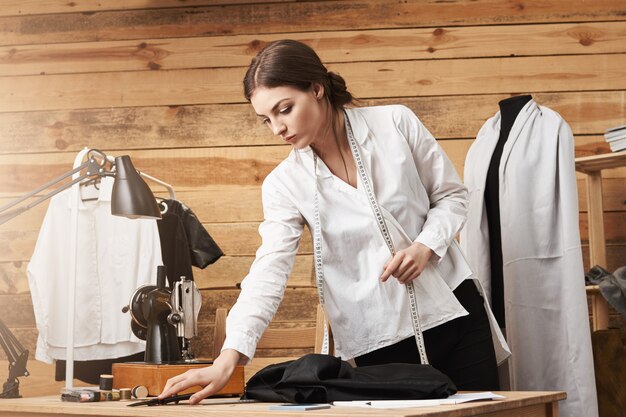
x: 592, y: 166
x: 599, y: 162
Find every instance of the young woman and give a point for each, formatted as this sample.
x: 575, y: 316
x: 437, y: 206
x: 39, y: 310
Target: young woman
x: 384, y: 205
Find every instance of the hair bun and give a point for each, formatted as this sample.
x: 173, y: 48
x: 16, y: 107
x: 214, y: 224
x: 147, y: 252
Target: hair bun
x: 338, y: 93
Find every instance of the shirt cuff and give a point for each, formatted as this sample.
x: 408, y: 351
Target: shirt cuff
x: 434, y: 242
x: 242, y: 343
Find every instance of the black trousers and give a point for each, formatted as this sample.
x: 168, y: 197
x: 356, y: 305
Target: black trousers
x: 461, y: 348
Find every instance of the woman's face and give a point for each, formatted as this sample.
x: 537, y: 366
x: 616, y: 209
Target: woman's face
x: 298, y: 117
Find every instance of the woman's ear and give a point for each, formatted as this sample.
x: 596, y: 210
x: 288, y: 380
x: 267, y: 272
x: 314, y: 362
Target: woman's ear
x: 318, y: 90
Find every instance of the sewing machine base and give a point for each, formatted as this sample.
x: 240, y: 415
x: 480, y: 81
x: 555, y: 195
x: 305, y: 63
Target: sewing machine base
x: 154, y: 377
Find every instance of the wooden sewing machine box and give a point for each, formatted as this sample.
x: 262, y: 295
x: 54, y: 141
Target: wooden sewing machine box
x: 154, y: 377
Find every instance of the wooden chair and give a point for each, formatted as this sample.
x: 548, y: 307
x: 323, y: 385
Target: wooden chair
x: 277, y: 339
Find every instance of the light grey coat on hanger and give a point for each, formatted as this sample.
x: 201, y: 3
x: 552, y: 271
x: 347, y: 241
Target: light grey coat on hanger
x: 544, y: 289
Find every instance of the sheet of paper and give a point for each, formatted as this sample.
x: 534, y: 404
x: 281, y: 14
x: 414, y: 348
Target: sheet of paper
x: 404, y: 403
x: 359, y: 404
x: 453, y: 399
x: 472, y: 396
x: 387, y: 403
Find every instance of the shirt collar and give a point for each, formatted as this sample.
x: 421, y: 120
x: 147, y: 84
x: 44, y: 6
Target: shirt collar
x: 358, y: 124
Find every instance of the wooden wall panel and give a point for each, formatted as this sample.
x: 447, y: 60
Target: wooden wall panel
x: 228, y: 272
x: 34, y: 7
x: 295, y: 16
x: 219, y: 125
x: 242, y: 239
x: 161, y: 81
x: 196, y: 169
x: 187, y: 169
x: 365, y: 79
x: 291, y: 314
x: 340, y: 46
x: 236, y: 239
x: 243, y: 204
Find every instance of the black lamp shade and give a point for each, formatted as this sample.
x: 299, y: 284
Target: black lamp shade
x: 131, y: 197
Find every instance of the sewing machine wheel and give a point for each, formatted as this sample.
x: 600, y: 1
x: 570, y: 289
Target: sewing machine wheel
x: 140, y: 321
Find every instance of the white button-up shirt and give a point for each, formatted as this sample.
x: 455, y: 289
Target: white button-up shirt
x: 423, y: 200
x: 114, y: 256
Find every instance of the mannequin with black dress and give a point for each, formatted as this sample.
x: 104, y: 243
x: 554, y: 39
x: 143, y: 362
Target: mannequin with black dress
x: 509, y: 109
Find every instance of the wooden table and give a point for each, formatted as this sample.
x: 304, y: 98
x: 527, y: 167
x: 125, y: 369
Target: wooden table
x: 517, y: 404
x: 592, y: 166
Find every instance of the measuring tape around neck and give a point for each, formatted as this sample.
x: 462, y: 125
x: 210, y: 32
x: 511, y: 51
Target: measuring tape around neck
x: 317, y: 246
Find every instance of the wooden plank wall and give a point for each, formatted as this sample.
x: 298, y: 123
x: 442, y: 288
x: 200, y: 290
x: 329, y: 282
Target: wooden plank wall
x: 161, y: 81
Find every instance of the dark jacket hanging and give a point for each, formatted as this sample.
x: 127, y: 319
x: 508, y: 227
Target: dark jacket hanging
x: 184, y: 241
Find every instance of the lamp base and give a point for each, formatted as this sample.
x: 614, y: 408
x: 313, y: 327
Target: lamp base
x: 154, y: 376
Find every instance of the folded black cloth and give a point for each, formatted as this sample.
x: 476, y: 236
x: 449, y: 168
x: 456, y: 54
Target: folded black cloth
x: 322, y: 378
x: 612, y: 286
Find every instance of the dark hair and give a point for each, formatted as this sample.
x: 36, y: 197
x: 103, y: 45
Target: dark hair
x: 294, y: 64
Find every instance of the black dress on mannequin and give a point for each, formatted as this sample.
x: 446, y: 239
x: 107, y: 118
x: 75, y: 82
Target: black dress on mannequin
x: 509, y: 109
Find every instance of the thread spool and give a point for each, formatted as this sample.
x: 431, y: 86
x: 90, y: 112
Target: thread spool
x: 109, y: 395
x: 125, y: 394
x: 106, y: 382
x: 139, y: 391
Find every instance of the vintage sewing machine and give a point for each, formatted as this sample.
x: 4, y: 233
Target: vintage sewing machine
x: 166, y: 318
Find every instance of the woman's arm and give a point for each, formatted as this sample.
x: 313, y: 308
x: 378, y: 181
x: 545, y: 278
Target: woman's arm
x: 261, y: 292
x: 263, y: 288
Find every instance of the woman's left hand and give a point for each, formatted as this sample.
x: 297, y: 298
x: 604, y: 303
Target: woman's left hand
x: 407, y: 264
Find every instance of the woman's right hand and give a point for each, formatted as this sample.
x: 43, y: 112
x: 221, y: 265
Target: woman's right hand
x: 213, y: 378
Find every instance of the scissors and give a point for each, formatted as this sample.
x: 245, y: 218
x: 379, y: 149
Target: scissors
x: 157, y: 401
x: 177, y: 398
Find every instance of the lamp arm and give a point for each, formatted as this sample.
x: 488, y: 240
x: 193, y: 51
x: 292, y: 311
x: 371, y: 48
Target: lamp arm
x: 41, y: 188
x: 93, y: 169
x: 8, y: 215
